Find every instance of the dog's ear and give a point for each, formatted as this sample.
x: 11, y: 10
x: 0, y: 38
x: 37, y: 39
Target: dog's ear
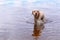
x: 38, y: 12
x: 33, y: 12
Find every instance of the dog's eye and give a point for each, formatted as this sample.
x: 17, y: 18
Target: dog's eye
x: 34, y: 11
x: 37, y: 11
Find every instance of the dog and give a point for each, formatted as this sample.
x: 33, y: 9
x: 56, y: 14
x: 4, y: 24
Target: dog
x: 39, y: 20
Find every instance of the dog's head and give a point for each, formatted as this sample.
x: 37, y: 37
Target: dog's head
x: 36, y: 13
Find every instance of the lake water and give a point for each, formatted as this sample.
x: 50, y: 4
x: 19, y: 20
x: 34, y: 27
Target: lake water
x: 16, y: 20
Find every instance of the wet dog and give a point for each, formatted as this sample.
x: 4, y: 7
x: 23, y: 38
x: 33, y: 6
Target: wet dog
x: 38, y: 22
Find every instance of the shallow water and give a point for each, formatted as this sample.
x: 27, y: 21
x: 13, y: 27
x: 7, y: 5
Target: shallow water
x: 16, y: 20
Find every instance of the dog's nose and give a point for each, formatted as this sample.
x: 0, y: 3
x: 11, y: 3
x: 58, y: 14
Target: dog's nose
x: 36, y: 13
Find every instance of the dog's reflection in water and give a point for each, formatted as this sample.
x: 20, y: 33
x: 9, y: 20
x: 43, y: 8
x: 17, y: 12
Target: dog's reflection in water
x: 37, y: 30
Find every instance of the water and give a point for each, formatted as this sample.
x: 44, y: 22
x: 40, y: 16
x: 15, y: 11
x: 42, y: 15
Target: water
x: 16, y: 20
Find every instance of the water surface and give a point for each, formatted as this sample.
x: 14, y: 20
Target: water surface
x: 16, y: 19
